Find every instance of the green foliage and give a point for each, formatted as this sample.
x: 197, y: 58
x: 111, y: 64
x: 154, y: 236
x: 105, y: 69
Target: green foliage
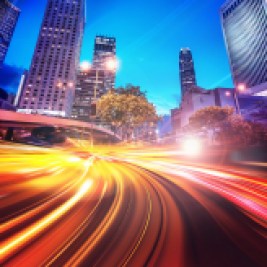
x: 130, y: 90
x: 127, y: 108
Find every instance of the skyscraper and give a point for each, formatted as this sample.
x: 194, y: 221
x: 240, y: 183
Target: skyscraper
x: 50, y: 84
x: 9, y: 15
x: 90, y: 87
x: 105, y: 52
x: 244, y: 25
x: 187, y: 70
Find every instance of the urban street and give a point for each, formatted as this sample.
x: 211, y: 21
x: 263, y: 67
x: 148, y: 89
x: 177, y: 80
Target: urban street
x: 133, y: 133
x: 118, y: 206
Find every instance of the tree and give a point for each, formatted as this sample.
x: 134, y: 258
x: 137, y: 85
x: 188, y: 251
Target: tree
x: 235, y: 130
x: 126, y: 110
x: 130, y: 90
x: 259, y: 135
x: 210, y: 117
x: 230, y: 128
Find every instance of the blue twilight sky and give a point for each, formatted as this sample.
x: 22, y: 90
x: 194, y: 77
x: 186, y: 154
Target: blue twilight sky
x: 149, y: 36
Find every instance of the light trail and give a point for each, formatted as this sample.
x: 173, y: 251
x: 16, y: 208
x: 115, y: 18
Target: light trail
x: 128, y: 206
x: 15, y: 243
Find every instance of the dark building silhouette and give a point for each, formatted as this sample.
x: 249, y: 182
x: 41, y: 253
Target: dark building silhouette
x: 90, y: 87
x: 187, y: 70
x: 104, y: 53
x: 6, y: 100
x: 9, y: 15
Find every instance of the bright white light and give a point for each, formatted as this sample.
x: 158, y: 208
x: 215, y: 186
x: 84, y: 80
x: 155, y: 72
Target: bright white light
x: 85, y: 66
x: 241, y: 87
x: 59, y: 84
x: 192, y: 146
x: 74, y: 159
x: 112, y: 64
x: 228, y: 93
x: 85, y: 187
x: 70, y: 84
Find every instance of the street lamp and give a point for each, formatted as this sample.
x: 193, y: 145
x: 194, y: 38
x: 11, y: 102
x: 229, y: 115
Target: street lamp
x: 85, y: 66
x: 112, y: 64
x: 109, y: 65
x: 240, y: 88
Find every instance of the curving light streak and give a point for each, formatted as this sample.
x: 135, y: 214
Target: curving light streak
x: 143, y: 209
x: 15, y: 243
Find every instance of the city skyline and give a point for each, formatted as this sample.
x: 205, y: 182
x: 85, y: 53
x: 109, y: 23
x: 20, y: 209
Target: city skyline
x: 127, y: 143
x: 139, y: 48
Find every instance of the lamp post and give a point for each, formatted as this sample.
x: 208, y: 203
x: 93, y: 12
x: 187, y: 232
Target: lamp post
x: 110, y: 65
x: 240, y: 88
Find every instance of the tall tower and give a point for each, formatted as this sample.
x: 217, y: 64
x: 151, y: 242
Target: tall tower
x: 89, y: 88
x: 244, y: 25
x: 104, y: 52
x: 50, y: 84
x: 9, y: 15
x: 187, y: 70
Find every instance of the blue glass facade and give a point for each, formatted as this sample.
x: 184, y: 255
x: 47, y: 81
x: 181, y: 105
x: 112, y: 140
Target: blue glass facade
x: 8, y: 19
x: 245, y: 30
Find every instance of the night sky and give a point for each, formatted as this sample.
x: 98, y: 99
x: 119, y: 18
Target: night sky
x: 149, y: 36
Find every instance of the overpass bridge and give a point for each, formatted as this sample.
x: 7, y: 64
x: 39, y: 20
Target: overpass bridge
x: 15, y: 120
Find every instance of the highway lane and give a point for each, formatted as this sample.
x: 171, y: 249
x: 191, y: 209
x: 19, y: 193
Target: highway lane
x: 119, y: 206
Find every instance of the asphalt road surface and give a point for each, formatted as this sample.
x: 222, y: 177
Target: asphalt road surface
x: 120, y: 206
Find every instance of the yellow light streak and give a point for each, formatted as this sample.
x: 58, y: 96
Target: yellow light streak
x: 13, y: 244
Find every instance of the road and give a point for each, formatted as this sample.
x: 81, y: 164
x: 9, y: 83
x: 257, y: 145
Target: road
x: 118, y: 206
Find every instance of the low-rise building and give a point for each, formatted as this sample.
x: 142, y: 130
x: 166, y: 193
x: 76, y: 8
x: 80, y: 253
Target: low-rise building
x: 197, y: 98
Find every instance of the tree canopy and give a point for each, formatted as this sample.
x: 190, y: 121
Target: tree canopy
x: 235, y: 130
x: 130, y: 89
x: 127, y: 108
x: 230, y: 128
x: 210, y: 116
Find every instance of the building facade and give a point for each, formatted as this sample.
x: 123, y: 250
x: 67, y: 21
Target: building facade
x: 105, y: 52
x: 50, y: 84
x: 187, y: 70
x: 197, y: 98
x: 9, y: 15
x: 244, y: 24
x: 90, y: 87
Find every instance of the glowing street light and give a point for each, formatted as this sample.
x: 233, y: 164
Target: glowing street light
x: 85, y: 66
x: 241, y: 87
x: 112, y: 64
x: 59, y: 84
x: 192, y: 146
x: 228, y: 93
